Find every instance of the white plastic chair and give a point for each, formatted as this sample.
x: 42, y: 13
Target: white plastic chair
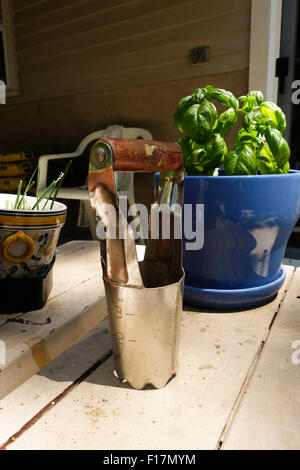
x: 80, y: 192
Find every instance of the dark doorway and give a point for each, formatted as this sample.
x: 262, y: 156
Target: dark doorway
x: 290, y: 52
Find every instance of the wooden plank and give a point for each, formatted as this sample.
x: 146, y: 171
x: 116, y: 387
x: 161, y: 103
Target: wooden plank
x: 199, y: 31
x: 44, y: 335
x: 74, y: 245
x: 68, y: 276
x: 48, y: 10
x: 268, y: 416
x: 86, y: 32
x: 292, y: 262
x: 81, y: 20
x: 147, y: 58
x: 146, y: 48
x: 139, y: 76
x: 21, y: 405
x: 80, y: 13
x: 216, y: 353
x: 23, y: 6
x: 153, y: 109
x: 5, y: 317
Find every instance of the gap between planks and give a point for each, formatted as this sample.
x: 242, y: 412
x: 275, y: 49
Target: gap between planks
x: 251, y: 370
x: 55, y: 400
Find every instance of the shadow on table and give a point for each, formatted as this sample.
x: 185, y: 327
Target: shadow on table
x: 104, y: 375
x: 90, y: 360
x: 100, y: 373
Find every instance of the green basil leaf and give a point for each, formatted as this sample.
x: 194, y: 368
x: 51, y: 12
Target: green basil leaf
x: 278, y: 146
x: 250, y: 116
x: 267, y: 164
x: 266, y: 161
x: 285, y: 169
x: 190, y: 155
x: 226, y: 122
x: 181, y: 108
x: 196, y: 98
x: 212, y: 156
x: 241, y: 161
x: 274, y: 115
x: 199, y: 94
x: 218, y: 151
x: 198, y: 121
x: 244, y: 136
x: 251, y: 101
x: 224, y: 97
x: 242, y: 99
x: 257, y: 95
x: 187, y: 145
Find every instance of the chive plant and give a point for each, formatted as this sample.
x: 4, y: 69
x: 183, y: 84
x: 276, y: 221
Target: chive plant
x: 49, y: 194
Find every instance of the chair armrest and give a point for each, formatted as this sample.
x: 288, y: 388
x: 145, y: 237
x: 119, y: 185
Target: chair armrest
x: 136, y: 132
x: 128, y: 133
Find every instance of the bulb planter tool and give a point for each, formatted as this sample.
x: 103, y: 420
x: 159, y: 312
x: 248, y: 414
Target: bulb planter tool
x: 144, y: 299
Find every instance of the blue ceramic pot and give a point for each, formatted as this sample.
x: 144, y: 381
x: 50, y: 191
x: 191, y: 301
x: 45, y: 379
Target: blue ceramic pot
x: 247, y: 223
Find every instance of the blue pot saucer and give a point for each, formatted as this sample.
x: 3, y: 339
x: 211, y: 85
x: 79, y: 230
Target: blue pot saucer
x: 235, y: 299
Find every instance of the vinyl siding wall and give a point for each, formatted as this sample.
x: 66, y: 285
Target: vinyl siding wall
x: 86, y: 64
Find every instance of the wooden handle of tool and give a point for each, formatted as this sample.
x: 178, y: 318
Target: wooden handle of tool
x: 144, y: 156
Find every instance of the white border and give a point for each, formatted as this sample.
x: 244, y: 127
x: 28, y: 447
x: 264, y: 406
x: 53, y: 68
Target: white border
x: 265, y: 46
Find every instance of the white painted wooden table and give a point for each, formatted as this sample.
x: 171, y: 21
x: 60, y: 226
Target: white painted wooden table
x: 237, y: 387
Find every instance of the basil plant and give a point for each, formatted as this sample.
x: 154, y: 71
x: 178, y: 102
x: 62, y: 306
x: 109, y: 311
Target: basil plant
x: 259, y: 146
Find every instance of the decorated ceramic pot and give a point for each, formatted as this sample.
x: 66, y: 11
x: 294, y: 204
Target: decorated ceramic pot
x: 28, y: 238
